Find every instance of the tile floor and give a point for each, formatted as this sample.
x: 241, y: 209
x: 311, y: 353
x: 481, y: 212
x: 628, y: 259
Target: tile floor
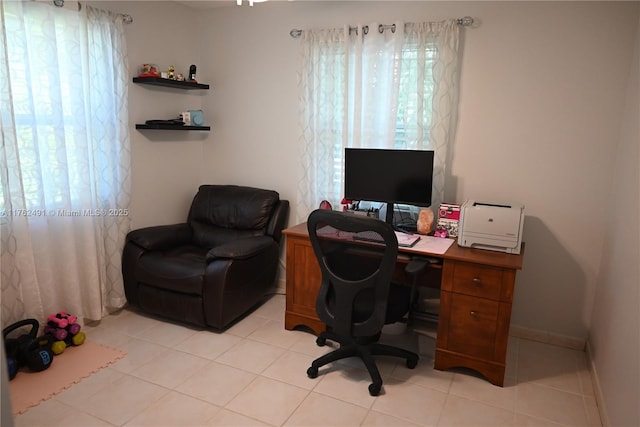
x: 254, y: 374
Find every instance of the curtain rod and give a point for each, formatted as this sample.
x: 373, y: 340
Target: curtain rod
x: 127, y: 19
x: 465, y: 22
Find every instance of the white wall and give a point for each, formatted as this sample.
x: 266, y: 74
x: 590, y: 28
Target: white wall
x: 542, y: 88
x: 167, y: 167
x: 614, y: 336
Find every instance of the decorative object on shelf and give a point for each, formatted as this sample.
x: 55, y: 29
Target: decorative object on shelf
x: 171, y: 72
x: 425, y: 221
x: 148, y: 70
x: 192, y: 73
x: 197, y: 117
x: 180, y: 77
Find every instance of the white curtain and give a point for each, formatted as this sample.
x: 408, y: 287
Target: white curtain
x: 374, y: 86
x: 64, y: 160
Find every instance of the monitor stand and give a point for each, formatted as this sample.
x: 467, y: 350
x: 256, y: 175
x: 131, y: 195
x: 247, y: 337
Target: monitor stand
x: 402, y: 228
x: 389, y: 215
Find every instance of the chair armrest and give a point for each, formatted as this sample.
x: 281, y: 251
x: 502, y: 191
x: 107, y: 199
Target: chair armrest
x: 241, y: 248
x: 416, y: 266
x: 160, y: 236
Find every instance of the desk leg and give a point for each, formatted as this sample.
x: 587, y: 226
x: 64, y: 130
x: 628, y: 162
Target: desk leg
x: 493, y: 372
x: 293, y: 320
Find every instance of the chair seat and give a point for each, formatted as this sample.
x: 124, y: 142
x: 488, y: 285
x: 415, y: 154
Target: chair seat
x: 397, y: 304
x: 180, y: 269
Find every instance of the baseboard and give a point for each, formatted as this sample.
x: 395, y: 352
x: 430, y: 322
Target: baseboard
x: 281, y: 286
x: 597, y: 390
x: 547, y: 337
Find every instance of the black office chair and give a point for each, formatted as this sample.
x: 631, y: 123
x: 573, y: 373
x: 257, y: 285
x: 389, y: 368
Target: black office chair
x: 356, y: 297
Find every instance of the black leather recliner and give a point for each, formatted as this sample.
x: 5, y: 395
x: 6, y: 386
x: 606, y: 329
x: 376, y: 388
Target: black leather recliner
x: 214, y: 268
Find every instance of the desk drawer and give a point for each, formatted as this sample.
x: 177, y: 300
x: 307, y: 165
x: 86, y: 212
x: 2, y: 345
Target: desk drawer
x: 472, y: 327
x: 477, y: 280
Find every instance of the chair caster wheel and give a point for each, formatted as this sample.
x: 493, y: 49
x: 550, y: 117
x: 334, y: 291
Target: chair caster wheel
x: 412, y: 363
x: 312, y: 372
x: 321, y: 341
x: 374, y: 389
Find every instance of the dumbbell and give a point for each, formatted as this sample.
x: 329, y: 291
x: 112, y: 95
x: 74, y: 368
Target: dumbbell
x: 58, y: 320
x: 58, y: 333
x: 77, y: 339
x: 74, y: 328
x: 58, y: 347
x: 28, y: 349
x: 12, y: 368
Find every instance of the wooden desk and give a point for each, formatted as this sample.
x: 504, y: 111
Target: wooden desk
x: 475, y: 301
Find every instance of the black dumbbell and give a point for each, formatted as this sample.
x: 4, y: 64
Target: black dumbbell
x: 12, y: 368
x: 28, y: 349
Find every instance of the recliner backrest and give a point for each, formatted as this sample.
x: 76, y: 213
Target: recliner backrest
x: 221, y: 213
x: 356, y: 275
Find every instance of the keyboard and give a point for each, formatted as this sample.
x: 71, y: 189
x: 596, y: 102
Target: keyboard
x: 404, y: 240
x: 368, y: 236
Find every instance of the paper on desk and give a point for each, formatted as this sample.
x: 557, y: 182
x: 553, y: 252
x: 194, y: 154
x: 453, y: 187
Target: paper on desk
x: 428, y: 244
x: 407, y: 240
x: 433, y: 245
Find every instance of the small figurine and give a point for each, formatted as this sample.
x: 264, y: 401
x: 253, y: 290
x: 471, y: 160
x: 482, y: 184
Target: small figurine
x: 180, y: 77
x: 148, y: 70
x: 171, y: 72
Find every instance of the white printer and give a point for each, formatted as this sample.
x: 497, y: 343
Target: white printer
x: 497, y: 227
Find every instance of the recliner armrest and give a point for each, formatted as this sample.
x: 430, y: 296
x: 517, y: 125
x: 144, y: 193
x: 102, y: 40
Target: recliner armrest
x: 161, y: 236
x: 278, y: 220
x: 241, y: 248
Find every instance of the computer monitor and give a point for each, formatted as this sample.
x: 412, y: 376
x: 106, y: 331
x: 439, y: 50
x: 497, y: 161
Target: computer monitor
x: 389, y: 176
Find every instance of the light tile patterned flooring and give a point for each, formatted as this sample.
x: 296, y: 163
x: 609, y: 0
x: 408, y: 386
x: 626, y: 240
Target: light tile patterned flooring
x: 254, y: 374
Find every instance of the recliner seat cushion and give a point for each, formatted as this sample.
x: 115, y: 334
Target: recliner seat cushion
x: 180, y: 269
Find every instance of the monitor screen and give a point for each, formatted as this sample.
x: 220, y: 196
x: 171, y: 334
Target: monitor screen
x: 390, y: 176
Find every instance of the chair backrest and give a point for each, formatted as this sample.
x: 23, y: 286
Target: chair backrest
x: 221, y: 213
x: 356, y: 274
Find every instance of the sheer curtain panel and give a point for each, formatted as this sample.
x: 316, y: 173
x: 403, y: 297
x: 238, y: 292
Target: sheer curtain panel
x: 64, y: 160
x: 374, y: 86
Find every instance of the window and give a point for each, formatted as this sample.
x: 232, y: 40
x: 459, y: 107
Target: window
x: 64, y: 160
x: 389, y: 89
x: 61, y: 107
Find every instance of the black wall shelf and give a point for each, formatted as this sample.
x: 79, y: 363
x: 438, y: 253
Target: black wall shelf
x: 171, y: 127
x: 159, y: 81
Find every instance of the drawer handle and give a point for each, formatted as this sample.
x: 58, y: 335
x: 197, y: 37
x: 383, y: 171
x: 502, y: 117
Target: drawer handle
x: 473, y: 314
x: 476, y: 281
